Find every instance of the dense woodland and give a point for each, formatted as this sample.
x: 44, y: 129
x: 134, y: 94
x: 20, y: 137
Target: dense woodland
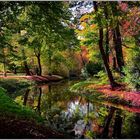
x: 96, y: 42
x: 40, y: 38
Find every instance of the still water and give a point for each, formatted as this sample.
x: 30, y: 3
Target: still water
x: 79, y: 115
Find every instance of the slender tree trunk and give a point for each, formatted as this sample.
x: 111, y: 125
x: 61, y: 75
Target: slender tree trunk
x: 25, y: 63
x: 50, y: 61
x: 109, y: 73
x: 107, y: 44
x: 4, y: 64
x: 107, y: 31
x: 39, y: 65
x: 117, y: 40
x: 15, y: 70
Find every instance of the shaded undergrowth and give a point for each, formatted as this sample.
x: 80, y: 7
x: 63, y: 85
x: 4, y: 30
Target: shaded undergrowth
x: 10, y: 108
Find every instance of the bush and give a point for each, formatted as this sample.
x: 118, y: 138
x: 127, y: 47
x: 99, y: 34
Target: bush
x: 102, y: 77
x: 132, y: 72
x: 94, y: 68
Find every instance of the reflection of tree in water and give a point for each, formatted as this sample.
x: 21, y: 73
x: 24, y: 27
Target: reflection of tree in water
x: 39, y: 100
x: 33, y: 96
x: 75, y: 114
x: 107, y: 122
x: 25, y: 98
x: 117, y: 124
x: 113, y: 122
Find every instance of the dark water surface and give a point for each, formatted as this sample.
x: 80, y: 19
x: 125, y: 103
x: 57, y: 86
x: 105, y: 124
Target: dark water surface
x: 78, y: 115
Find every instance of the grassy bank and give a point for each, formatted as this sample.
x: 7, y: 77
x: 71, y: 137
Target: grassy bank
x: 9, y: 108
x: 22, y: 122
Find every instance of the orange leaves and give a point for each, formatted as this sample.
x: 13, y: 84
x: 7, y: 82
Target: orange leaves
x: 85, y: 18
x: 93, y: 26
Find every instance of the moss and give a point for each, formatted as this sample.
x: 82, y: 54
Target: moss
x: 10, y: 108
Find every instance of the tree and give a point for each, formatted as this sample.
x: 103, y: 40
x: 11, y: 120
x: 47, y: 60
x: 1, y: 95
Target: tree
x: 110, y: 76
x: 117, y: 37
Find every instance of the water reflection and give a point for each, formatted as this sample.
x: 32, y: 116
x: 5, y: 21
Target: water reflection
x: 78, y: 115
x: 26, y: 97
x: 39, y: 100
x: 117, y: 124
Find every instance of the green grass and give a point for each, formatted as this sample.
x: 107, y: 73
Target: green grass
x: 9, y: 108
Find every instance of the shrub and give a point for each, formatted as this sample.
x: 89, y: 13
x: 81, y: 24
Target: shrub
x: 93, y: 68
x: 102, y: 77
x: 132, y: 70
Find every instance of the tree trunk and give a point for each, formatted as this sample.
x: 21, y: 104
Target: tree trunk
x: 117, y: 40
x: 15, y: 70
x: 4, y: 64
x: 39, y: 65
x: 107, y: 44
x: 50, y: 61
x: 109, y: 73
x: 25, y: 63
x: 107, y: 32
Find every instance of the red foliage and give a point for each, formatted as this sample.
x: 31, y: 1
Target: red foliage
x: 131, y: 22
x: 133, y: 97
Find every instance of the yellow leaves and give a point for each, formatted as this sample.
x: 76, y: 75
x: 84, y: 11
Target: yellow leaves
x: 85, y: 17
x: 83, y: 24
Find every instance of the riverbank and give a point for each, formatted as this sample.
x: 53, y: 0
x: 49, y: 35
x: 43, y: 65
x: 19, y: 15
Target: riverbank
x: 21, y: 122
x: 121, y: 93
x: 36, y: 78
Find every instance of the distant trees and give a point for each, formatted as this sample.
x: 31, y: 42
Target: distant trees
x: 47, y: 27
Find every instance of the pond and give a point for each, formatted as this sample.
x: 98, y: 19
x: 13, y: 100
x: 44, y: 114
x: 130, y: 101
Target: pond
x: 77, y: 115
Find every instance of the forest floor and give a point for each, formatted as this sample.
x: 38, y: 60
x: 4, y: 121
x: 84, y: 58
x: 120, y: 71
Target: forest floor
x: 130, y: 96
